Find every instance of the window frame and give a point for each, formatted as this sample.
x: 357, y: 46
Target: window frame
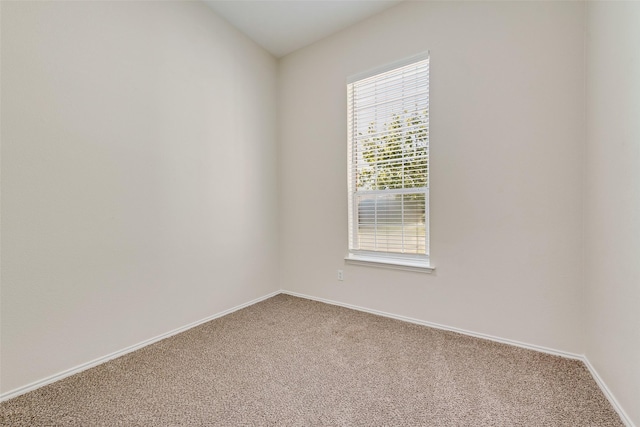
x: 404, y: 261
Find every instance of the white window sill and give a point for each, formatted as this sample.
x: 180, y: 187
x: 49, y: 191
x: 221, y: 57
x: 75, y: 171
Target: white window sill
x: 392, y: 263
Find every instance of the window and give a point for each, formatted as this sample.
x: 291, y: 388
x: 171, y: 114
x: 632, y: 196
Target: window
x: 388, y: 164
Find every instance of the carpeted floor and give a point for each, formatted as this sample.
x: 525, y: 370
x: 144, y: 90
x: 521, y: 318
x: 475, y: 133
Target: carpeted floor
x: 288, y: 361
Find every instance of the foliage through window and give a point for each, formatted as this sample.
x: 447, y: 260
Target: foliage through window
x: 388, y: 163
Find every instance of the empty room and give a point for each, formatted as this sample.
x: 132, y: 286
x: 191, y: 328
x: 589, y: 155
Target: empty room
x: 320, y: 213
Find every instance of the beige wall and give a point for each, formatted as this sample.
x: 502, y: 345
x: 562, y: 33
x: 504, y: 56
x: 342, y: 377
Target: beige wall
x: 612, y: 202
x: 507, y: 133
x: 138, y: 177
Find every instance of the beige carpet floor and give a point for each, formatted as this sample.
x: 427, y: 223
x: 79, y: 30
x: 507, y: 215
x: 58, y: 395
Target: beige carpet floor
x: 289, y: 361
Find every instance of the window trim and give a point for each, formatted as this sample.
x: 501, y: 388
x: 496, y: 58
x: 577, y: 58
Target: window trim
x: 423, y: 266
x: 416, y: 262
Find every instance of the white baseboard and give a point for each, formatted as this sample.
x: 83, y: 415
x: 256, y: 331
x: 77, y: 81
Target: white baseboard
x: 605, y: 390
x: 56, y: 377
x: 443, y: 327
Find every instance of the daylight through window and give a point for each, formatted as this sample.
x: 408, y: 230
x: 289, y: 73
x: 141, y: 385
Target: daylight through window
x: 388, y: 163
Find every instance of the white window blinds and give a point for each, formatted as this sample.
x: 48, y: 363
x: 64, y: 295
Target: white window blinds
x: 388, y: 162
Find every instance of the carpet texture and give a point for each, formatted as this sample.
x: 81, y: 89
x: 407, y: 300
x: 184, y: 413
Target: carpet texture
x: 289, y: 361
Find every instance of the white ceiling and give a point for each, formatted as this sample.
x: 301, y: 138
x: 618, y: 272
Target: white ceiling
x: 282, y: 26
